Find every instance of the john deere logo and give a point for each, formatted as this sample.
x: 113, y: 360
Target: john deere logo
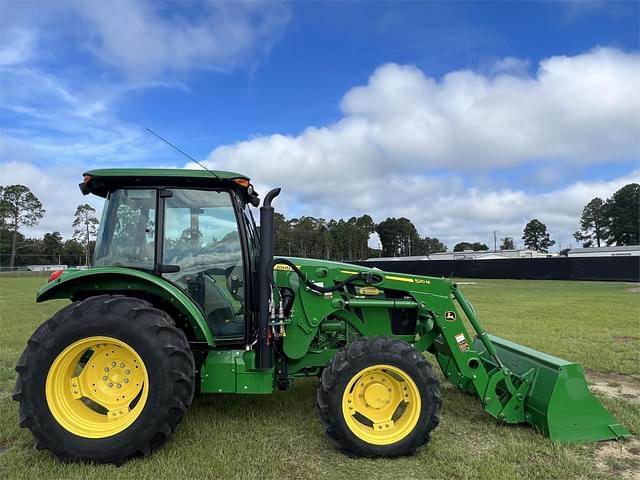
x: 283, y: 267
x: 368, y: 291
x: 450, y: 316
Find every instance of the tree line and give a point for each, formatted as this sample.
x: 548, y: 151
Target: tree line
x: 349, y: 239
x: 615, y: 221
x: 20, y: 208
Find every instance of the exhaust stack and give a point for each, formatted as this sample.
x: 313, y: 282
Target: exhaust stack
x: 264, y: 352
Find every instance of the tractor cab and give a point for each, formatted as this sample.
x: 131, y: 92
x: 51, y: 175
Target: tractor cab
x: 198, y: 234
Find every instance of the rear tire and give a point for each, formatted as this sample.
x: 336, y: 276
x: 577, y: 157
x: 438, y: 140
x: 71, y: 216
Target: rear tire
x: 378, y: 397
x: 151, y: 363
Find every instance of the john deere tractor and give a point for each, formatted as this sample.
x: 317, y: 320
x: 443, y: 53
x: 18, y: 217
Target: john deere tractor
x: 185, y: 295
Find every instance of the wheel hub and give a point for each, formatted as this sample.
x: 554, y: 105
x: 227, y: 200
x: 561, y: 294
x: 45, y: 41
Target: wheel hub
x: 376, y: 395
x: 381, y: 404
x: 104, y: 395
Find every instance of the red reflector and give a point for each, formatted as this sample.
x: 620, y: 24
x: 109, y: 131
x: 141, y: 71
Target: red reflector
x: 55, y: 275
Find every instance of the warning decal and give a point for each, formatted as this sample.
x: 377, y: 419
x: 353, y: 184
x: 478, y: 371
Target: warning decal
x: 462, y: 342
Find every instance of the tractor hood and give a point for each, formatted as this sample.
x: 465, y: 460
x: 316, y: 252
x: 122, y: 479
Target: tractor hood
x: 401, y: 281
x: 305, y: 263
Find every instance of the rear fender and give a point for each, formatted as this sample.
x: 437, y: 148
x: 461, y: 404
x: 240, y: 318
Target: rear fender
x: 100, y: 280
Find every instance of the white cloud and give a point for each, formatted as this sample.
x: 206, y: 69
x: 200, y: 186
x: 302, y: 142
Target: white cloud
x: 16, y: 46
x: 144, y: 39
x: 510, y: 65
x: 579, y: 110
x: 407, y: 143
x: 65, y: 114
x: 56, y: 187
x: 473, y: 214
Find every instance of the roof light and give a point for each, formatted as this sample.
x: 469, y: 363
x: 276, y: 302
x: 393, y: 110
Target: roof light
x: 243, y: 182
x: 54, y: 275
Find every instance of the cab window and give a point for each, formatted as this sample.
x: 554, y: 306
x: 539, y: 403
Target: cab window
x: 127, y: 230
x: 201, y: 237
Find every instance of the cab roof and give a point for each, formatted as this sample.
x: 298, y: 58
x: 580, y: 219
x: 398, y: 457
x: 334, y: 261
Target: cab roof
x: 101, y: 181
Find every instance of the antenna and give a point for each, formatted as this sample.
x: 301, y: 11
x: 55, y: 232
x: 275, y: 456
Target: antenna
x: 177, y: 149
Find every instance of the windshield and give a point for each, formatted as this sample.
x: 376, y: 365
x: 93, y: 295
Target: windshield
x: 126, y: 235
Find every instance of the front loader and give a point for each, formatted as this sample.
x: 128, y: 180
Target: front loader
x: 185, y: 294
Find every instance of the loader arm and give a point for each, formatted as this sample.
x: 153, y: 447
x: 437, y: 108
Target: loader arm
x: 516, y: 384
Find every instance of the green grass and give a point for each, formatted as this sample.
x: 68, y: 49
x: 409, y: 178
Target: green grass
x: 279, y: 436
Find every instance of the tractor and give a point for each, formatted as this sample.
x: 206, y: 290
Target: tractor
x: 185, y: 296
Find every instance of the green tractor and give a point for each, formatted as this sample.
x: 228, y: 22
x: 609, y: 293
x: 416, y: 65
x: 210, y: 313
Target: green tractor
x: 185, y: 295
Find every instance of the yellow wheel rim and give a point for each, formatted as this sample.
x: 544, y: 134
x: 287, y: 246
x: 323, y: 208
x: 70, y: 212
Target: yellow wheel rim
x: 97, y: 387
x: 381, y: 404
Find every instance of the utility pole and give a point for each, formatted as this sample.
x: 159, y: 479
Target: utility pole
x: 495, y: 242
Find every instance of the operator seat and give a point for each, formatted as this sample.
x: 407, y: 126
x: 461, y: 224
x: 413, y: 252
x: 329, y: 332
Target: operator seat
x: 220, y: 314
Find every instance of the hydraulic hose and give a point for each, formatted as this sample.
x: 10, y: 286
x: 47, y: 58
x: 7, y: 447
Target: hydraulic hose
x: 368, y: 277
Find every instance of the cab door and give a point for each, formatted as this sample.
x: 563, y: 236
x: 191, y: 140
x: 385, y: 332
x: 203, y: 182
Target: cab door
x: 201, y: 237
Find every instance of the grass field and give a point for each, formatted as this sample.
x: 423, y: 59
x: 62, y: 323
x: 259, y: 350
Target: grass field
x: 279, y: 436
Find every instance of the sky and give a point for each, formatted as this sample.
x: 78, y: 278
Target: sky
x: 465, y: 117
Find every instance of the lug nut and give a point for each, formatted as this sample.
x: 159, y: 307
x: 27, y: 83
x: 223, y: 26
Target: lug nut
x: 105, y: 378
x: 106, y: 369
x: 121, y: 364
x: 113, y: 364
x: 119, y: 386
x: 126, y: 380
x: 127, y: 372
x: 110, y: 385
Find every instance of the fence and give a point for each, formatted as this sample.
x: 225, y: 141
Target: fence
x: 23, y: 273
x: 626, y: 269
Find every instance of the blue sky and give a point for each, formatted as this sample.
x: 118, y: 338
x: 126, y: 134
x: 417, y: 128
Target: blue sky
x: 465, y: 117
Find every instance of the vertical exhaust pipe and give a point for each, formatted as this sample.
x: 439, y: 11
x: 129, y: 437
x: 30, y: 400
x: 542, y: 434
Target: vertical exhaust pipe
x: 264, y: 352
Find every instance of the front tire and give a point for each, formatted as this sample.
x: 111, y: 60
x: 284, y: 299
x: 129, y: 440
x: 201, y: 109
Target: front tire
x: 378, y: 397
x: 104, y: 379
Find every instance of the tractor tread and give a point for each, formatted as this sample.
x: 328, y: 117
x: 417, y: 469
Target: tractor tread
x: 336, y: 375
x: 148, y: 322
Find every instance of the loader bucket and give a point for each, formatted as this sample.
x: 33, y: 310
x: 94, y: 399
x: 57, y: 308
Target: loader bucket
x: 559, y: 404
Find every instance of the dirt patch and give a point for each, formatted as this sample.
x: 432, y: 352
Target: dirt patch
x: 633, y: 290
x: 621, y: 458
x: 615, y: 385
x: 4, y: 446
x: 625, y: 338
